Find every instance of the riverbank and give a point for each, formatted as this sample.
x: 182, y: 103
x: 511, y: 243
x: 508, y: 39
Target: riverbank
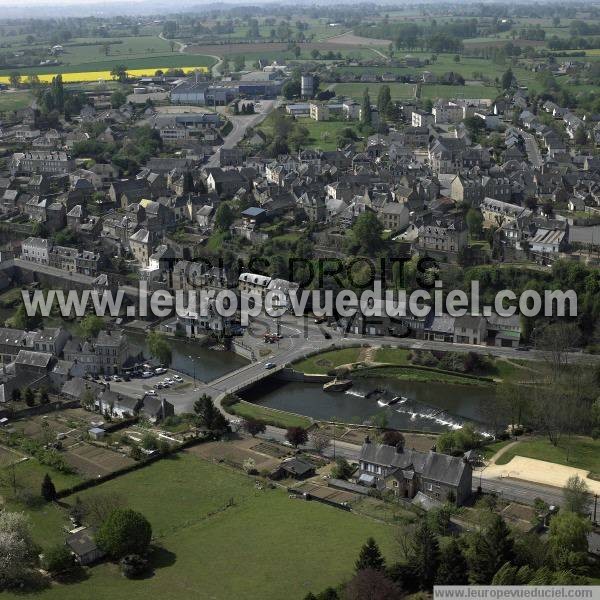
x: 418, y: 366
x: 420, y: 374
x: 270, y: 416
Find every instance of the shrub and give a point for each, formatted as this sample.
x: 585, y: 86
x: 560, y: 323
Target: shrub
x: 125, y: 531
x: 57, y: 559
x: 133, y: 565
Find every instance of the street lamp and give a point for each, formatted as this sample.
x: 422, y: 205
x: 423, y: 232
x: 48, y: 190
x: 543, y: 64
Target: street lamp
x: 194, y: 370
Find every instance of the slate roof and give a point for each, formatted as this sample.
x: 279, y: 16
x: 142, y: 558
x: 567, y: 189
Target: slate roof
x: 82, y: 542
x: 432, y: 465
x: 34, y: 359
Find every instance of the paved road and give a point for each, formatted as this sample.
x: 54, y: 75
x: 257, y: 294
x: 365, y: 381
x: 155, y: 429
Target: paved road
x: 240, y: 126
x: 533, y: 150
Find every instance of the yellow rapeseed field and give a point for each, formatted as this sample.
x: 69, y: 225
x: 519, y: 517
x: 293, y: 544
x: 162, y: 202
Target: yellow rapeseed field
x: 102, y: 75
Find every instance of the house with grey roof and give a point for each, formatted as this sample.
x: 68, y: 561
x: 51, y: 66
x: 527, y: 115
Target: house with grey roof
x: 407, y: 472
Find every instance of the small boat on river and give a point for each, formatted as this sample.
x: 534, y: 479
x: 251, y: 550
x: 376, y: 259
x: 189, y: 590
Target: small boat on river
x: 337, y: 385
x: 392, y: 401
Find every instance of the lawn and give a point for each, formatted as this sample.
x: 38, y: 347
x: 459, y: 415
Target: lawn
x: 579, y: 452
x: 499, y: 368
x: 436, y: 91
x: 398, y: 91
x: 222, y: 538
x: 490, y: 449
x: 324, y: 362
x: 277, y: 418
x: 46, y: 519
x: 393, y: 356
x: 14, y: 100
x: 324, y: 134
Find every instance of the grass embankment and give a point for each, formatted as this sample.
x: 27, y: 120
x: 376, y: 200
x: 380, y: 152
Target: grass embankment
x: 420, y: 374
x: 209, y: 520
x: 277, y: 418
x: 321, y: 364
x: 578, y: 451
x: 398, y: 365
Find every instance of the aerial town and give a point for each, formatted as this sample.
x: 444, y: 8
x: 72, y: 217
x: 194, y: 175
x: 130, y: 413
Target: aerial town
x: 258, y: 441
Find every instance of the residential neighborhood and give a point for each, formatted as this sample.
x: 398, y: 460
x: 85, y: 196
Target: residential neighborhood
x: 299, y: 301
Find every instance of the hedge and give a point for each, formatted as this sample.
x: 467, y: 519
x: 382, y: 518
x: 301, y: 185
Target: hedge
x: 89, y: 483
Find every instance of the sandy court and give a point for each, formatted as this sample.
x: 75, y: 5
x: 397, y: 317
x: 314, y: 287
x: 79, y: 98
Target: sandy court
x: 539, y: 471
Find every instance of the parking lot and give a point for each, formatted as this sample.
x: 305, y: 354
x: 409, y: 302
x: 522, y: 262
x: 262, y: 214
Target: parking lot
x: 137, y: 387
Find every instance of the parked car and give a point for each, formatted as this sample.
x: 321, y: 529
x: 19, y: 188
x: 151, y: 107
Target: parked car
x: 168, y: 380
x: 178, y: 378
x: 160, y: 370
x: 152, y: 393
x: 159, y: 386
x: 116, y: 378
x: 147, y: 374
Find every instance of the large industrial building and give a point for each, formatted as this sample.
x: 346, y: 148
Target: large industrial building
x: 205, y: 93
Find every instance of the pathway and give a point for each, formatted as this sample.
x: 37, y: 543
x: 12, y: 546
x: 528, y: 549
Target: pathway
x: 497, y: 455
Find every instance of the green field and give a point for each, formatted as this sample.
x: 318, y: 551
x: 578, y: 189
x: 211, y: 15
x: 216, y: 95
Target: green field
x: 131, y: 62
x: 324, y: 362
x: 323, y: 134
x: 222, y: 538
x: 14, y: 100
x: 435, y: 91
x: 580, y: 452
x: 399, y: 91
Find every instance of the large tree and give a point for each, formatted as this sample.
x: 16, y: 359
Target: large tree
x: 577, y: 495
x: 507, y: 79
x: 159, y: 347
x: 91, y: 325
x: 365, y: 116
x: 489, y: 549
x: 372, y: 584
x: 367, y: 232
x: 296, y: 436
x: 209, y: 416
x: 567, y: 540
x: 474, y: 222
x: 453, y: 569
x: 48, y: 489
x: 424, y: 556
x: 224, y: 217
x: 254, y: 426
x: 17, y: 549
x: 370, y: 557
x: 384, y: 98
x: 125, y: 531
x: 320, y: 440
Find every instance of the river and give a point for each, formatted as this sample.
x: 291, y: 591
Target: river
x: 191, y: 358
x: 428, y: 406
x: 188, y: 357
